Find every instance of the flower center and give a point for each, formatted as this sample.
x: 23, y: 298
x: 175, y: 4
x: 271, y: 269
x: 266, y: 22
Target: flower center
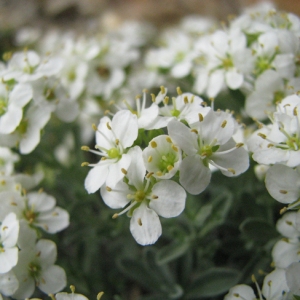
x: 34, y: 270
x: 103, y: 72
x: 227, y: 63
x: 278, y: 96
x: 262, y: 64
x: 166, y: 162
x: 175, y: 112
x: 293, y: 142
x: 113, y: 153
x: 139, y: 196
x: 30, y: 215
x: 22, y: 128
x: 49, y: 94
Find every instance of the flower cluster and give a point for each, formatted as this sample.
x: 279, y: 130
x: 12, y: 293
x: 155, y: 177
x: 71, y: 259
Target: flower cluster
x: 143, y: 179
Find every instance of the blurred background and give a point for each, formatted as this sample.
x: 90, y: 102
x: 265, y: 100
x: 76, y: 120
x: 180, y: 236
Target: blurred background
x: 80, y: 14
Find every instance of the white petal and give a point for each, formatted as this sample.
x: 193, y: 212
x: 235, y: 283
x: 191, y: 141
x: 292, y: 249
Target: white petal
x: 8, y: 283
x: 234, y: 79
x: 125, y: 127
x: 194, y: 176
x: 96, y: 177
x: 137, y: 169
x: 278, y: 287
x: 47, y: 252
x: 171, y: 199
x: 55, y: 221
x: 9, y: 231
x: 215, y: 83
x: 145, y: 225
x: 243, y: 291
x: 21, y: 95
x: 41, y: 201
x: 115, y: 173
x: 53, y: 280
x: 8, y: 259
x: 293, y: 278
x: 282, y: 183
x: 73, y: 296
x: 117, y: 197
x: 11, y: 119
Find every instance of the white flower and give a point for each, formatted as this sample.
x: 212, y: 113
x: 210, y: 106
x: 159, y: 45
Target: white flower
x: 209, y: 141
x: 162, y: 157
x: 9, y: 232
x: 11, y: 105
x: 293, y: 279
x: 147, y: 200
x: 7, y: 160
x: 36, y: 268
x: 112, y: 138
x: 242, y: 292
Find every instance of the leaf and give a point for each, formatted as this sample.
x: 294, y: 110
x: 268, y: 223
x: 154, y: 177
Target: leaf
x: 258, y: 230
x: 295, y: 297
x: 172, y: 251
x: 213, y: 282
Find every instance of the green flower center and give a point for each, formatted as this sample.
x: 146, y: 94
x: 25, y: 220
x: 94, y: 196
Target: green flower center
x: 175, y: 112
x: 278, y: 96
x: 227, y: 63
x: 167, y: 162
x: 22, y: 128
x: 113, y: 153
x: 30, y: 215
x: 262, y: 64
x: 49, y: 94
x: 293, y: 142
x: 34, y: 270
x: 139, y: 196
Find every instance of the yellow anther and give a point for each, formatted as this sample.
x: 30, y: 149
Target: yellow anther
x: 174, y: 148
x: 178, y: 90
x: 203, y: 104
x: 283, y: 192
x: 117, y: 141
x: 231, y: 170
x: 154, y: 197
x: 103, y: 158
x: 166, y: 100
x: 224, y: 124
x: 84, y: 164
x: 115, y: 216
x: 145, y: 91
x: 13, y: 204
x: 263, y: 136
x: 270, y: 145
x: 149, y: 175
x: 41, y: 190
x: 4, y: 228
x: 153, y: 97
x: 186, y: 100
x: 72, y: 288
x: 149, y: 159
x: 295, y: 112
x: 138, y: 97
x: 52, y: 296
x: 107, y: 112
x: 85, y: 148
x: 253, y: 278
x: 283, y: 210
x: 169, y: 167
x: 269, y: 282
x: 236, y: 295
x: 139, y: 221
x: 195, y: 131
x: 289, y: 223
x: 159, y: 173
x: 3, y: 182
x: 200, y: 117
x: 239, y: 145
x: 94, y: 127
x: 124, y: 171
x: 100, y: 295
x: 153, y: 144
x: 108, y: 126
x: 168, y: 139
x: 192, y: 99
x: 162, y: 89
x: 108, y: 188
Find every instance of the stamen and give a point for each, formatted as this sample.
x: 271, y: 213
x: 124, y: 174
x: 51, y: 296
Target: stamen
x: 166, y: 100
x: 149, y: 175
x: 99, y: 296
x: 174, y: 148
x: 200, y: 117
x: 224, y: 124
x: 162, y: 89
x: 108, y: 189
x: 84, y: 164
x: 186, y: 100
x: 178, y: 90
x: 108, y: 126
x: 195, y: 131
x: 154, y: 197
x: 149, y: 158
x: 168, y: 139
x: 159, y: 173
x: 85, y: 148
x: 169, y: 167
x: 153, y: 98
x: 125, y: 210
x: 153, y: 144
x: 283, y: 192
x: 139, y: 220
x: 94, y: 127
x: 124, y: 171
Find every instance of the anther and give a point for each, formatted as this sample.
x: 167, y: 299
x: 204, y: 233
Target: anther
x: 149, y: 175
x: 178, y: 90
x: 200, y: 117
x: 166, y: 100
x: 139, y: 221
x: 115, y: 216
x: 283, y: 192
x: 72, y: 288
x: 154, y: 197
x: 107, y: 112
x: 137, y: 97
x: 108, y: 126
x: 231, y: 171
x: 186, y: 100
x: 168, y: 139
x: 84, y: 164
x: 159, y: 173
x: 117, y: 141
x: 145, y: 91
x: 283, y: 210
x: 153, y: 144
x: 94, y: 127
x: 153, y: 97
x: 174, y: 148
x: 149, y: 159
x: 269, y: 283
x: 236, y: 295
x: 289, y: 223
x: 270, y: 145
x: 295, y: 112
x: 239, y: 145
x: 162, y: 89
x: 195, y: 131
x: 103, y: 158
x: 99, y: 296
x: 224, y: 124
x: 169, y: 167
x: 108, y: 189
x: 262, y: 135
x: 124, y: 171
x: 85, y: 148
